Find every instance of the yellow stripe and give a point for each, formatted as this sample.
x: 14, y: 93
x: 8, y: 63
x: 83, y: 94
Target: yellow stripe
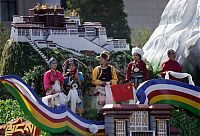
x: 47, y: 122
x: 77, y: 129
x: 41, y: 118
x: 177, y: 98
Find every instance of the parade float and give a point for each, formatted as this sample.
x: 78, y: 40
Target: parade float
x: 149, y: 117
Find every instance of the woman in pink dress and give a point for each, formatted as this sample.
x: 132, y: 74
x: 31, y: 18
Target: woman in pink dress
x: 53, y: 82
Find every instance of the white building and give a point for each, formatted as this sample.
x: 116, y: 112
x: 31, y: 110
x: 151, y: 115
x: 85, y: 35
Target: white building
x: 46, y: 26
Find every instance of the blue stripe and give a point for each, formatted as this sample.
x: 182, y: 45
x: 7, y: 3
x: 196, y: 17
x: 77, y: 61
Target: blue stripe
x: 59, y: 110
x: 141, y: 90
x: 172, y: 82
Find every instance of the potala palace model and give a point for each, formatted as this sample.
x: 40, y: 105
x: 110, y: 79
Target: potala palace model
x: 47, y: 27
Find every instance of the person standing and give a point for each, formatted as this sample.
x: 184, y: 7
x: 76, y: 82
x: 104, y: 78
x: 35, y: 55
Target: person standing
x: 137, y: 71
x: 103, y: 76
x: 73, y: 78
x: 53, y: 82
x: 171, y: 65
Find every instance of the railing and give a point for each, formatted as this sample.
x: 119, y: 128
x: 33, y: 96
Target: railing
x: 37, y: 49
x: 147, y: 133
x: 69, y: 50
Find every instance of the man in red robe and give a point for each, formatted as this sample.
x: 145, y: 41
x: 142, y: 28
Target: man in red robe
x: 171, y: 65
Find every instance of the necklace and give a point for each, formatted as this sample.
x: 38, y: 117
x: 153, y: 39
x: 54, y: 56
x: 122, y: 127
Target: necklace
x: 135, y: 66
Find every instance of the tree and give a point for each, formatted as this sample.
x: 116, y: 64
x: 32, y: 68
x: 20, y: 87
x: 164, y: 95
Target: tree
x: 18, y: 58
x: 139, y: 36
x: 4, y: 36
x: 109, y: 12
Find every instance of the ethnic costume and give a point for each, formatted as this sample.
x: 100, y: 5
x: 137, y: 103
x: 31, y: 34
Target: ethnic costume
x: 100, y: 75
x: 73, y: 84
x: 50, y: 78
x: 53, y: 80
x: 68, y: 84
x: 136, y: 72
x: 171, y: 65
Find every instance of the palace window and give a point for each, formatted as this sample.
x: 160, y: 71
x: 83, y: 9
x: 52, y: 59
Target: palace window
x: 27, y: 32
x: 90, y: 29
x: 45, y: 32
x: 162, y: 127
x: 23, y: 32
x: 73, y: 32
x: 36, y: 32
x: 120, y: 128
x: 102, y: 31
x: 19, y: 32
x: 139, y: 121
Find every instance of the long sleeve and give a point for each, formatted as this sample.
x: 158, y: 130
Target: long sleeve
x: 145, y: 72
x: 170, y: 66
x: 128, y: 72
x: 163, y: 70
x: 47, y: 83
x: 95, y: 79
x: 60, y: 77
x: 114, y: 76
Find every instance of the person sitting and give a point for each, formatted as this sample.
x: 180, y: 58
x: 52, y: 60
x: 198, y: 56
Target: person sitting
x: 171, y: 65
x: 73, y: 80
x: 137, y: 71
x: 53, y: 82
x: 103, y: 76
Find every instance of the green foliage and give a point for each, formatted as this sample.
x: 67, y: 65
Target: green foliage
x: 4, y: 94
x: 153, y: 73
x: 34, y: 78
x: 187, y: 122
x: 109, y: 12
x: 10, y: 110
x: 4, y: 36
x: 18, y: 58
x: 44, y: 133
x: 139, y: 36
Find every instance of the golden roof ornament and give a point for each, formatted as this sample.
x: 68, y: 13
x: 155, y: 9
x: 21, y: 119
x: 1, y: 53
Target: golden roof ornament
x: 57, y: 6
x: 51, y: 7
x: 74, y: 13
x: 45, y: 6
x: 39, y: 6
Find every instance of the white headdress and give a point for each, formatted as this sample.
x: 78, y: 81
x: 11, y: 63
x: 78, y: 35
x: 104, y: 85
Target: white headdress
x: 138, y: 51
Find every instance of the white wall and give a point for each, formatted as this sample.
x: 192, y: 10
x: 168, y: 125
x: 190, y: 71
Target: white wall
x: 75, y: 42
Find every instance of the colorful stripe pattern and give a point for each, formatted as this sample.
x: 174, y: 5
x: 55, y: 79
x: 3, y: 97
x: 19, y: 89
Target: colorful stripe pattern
x: 170, y: 92
x: 51, y: 120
